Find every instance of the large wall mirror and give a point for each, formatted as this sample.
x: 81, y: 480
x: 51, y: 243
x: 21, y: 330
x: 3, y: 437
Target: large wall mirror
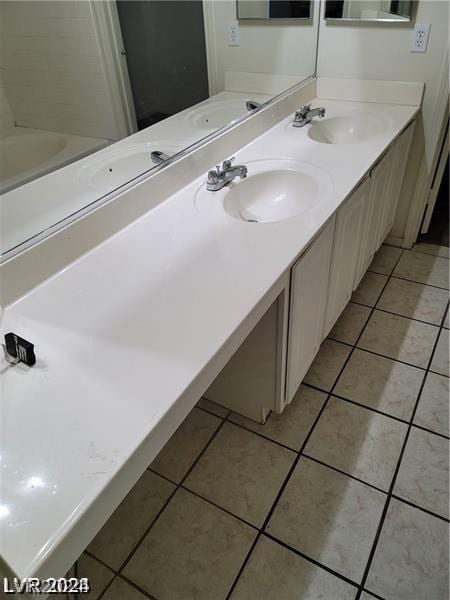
x: 395, y: 11
x: 95, y: 93
x: 274, y: 9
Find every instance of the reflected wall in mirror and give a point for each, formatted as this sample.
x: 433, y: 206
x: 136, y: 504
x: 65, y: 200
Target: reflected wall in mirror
x: 274, y: 9
x: 95, y: 93
x: 369, y: 10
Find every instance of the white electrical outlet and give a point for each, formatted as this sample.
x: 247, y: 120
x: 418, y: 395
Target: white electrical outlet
x: 233, y: 33
x: 419, y: 39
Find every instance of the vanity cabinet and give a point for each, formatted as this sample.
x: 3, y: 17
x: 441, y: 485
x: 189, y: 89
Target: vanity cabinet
x: 309, y: 288
x: 348, y: 239
x: 401, y: 147
x: 381, y: 177
x: 386, y: 179
x: 266, y: 371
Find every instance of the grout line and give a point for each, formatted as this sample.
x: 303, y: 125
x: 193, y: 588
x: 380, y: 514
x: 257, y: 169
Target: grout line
x: 442, y: 435
x: 162, y: 509
x: 261, y: 532
x: 438, y: 287
x: 128, y: 582
x: 177, y: 486
x: 397, y: 469
x: 211, y: 413
x: 397, y: 276
x: 333, y: 468
x: 429, y: 253
x: 272, y: 508
x: 377, y: 596
x: 225, y: 510
x: 136, y: 587
x: 423, y: 509
x: 334, y: 395
x: 102, y: 562
x: 403, y: 362
x: 265, y: 437
x: 309, y: 559
x: 390, y: 312
x: 378, y: 412
x: 366, y: 305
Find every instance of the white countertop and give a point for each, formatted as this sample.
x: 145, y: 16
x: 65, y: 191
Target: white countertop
x: 122, y: 333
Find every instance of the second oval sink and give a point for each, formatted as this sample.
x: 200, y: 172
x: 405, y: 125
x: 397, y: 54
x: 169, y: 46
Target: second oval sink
x: 113, y: 167
x: 346, y: 129
x: 274, y: 190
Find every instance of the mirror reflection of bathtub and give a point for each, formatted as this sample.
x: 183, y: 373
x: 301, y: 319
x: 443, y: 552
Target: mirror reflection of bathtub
x: 26, y: 154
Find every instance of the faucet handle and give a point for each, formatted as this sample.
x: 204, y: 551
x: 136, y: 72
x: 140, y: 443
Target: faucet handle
x: 227, y: 163
x: 302, y: 112
x: 213, y: 175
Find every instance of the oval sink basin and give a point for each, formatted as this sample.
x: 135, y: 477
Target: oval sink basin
x: 274, y: 190
x: 114, y: 167
x: 346, y: 129
x: 217, y: 114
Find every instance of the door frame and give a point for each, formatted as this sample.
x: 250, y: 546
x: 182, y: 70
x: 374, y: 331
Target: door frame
x: 436, y: 184
x: 210, y: 46
x: 425, y: 172
x: 109, y: 36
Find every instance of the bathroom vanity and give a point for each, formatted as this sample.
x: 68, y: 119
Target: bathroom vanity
x: 321, y: 281
x: 225, y: 294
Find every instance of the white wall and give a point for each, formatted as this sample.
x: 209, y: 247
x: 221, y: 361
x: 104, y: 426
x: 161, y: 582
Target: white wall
x: 382, y: 52
x: 270, y: 47
x: 51, y: 68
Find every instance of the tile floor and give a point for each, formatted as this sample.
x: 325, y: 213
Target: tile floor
x: 344, y: 496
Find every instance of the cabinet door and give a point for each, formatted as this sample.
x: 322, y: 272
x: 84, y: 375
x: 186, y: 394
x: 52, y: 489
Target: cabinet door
x: 402, y: 147
x: 309, y: 285
x: 365, y: 252
x: 380, y: 196
x: 346, y: 251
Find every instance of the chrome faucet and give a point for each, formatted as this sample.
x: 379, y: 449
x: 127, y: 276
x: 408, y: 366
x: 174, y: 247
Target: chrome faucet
x: 222, y: 176
x: 305, y: 115
x: 253, y: 105
x: 159, y: 157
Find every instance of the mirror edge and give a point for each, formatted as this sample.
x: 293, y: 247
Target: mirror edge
x: 11, y: 253
x: 303, y: 20
x: 405, y: 22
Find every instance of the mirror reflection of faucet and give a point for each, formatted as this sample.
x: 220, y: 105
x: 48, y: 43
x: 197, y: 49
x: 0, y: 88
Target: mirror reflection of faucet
x: 252, y: 105
x: 159, y: 157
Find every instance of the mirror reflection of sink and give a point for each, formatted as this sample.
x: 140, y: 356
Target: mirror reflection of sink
x: 217, y: 114
x: 349, y: 129
x: 114, y: 167
x: 274, y: 190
